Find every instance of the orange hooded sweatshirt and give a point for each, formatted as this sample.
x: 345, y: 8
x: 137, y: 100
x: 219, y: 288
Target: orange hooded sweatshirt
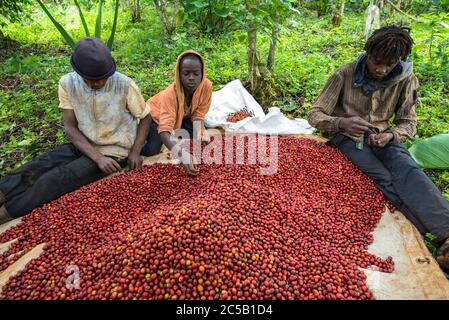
x: 168, y: 107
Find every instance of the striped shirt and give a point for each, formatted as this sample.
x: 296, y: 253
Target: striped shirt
x: 340, y: 98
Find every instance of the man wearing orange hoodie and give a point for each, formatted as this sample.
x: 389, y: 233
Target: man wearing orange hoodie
x: 182, y: 105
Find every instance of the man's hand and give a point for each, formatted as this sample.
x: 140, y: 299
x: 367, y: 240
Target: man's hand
x: 108, y: 165
x: 134, y: 160
x: 380, y: 140
x: 188, y: 163
x: 202, y: 135
x: 191, y: 169
x: 355, y: 126
x: 185, y: 157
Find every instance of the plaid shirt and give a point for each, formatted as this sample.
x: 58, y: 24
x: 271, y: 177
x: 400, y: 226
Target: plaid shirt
x: 340, y: 98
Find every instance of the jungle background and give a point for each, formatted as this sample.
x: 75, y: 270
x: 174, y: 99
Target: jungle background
x: 282, y: 50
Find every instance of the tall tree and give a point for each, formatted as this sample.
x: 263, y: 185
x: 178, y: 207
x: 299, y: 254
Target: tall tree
x: 167, y: 13
x: 372, y: 18
x: 135, y: 8
x: 338, y: 8
x: 264, y: 16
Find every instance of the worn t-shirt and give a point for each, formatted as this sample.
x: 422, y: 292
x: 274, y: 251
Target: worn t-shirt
x: 109, y: 116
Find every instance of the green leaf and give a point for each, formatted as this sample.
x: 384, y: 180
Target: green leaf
x: 12, y: 142
x: 430, y: 236
x: 288, y: 107
x: 114, y: 26
x: 432, y: 153
x: 181, y: 16
x: 61, y: 30
x: 24, y: 143
x: 259, y: 12
x: 200, y: 4
x: 98, y: 23
x: 194, y: 6
x: 221, y: 12
x: 83, y: 21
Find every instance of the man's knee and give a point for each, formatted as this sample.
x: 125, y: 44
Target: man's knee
x: 70, y: 176
x: 154, y: 142
x: 396, y: 156
x: 150, y: 150
x: 63, y: 151
x: 364, y: 159
x: 337, y: 140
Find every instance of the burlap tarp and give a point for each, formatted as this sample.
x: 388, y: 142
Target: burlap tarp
x: 416, y: 274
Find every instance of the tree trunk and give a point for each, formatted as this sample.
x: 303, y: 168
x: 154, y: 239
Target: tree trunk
x: 5, y: 41
x: 273, y: 43
x: 135, y: 10
x: 2, y: 40
x: 262, y: 82
x: 372, y: 19
x: 168, y: 23
x: 252, y: 56
x: 338, y: 12
x: 398, y: 5
x: 139, y: 13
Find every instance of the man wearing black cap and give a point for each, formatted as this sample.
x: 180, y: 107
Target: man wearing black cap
x: 107, y: 122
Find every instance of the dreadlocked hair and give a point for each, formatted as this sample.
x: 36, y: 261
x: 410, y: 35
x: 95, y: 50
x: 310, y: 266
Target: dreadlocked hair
x: 391, y: 42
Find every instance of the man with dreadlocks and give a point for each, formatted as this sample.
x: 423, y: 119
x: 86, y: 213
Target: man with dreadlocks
x: 354, y: 110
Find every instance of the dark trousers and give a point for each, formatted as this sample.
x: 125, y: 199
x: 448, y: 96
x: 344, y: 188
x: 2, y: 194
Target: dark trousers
x: 402, y: 182
x: 48, y: 177
x: 154, y: 141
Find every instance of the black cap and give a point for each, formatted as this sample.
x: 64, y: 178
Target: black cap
x: 92, y: 59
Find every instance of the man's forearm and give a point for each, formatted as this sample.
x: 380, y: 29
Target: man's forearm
x: 199, y: 126
x: 166, y: 138
x: 198, y: 122
x: 82, y: 144
x: 320, y: 120
x: 142, y: 133
x: 403, y: 130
